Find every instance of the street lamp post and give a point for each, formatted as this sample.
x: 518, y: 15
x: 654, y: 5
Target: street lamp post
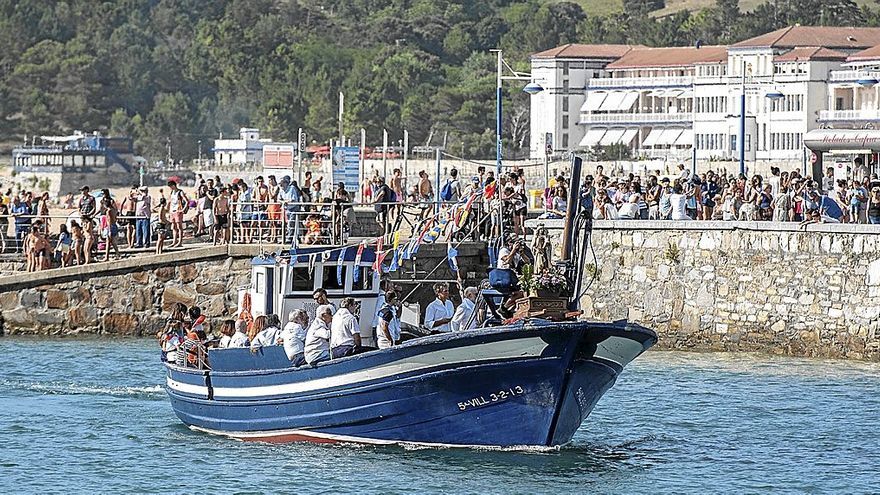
x: 532, y: 88
x: 772, y: 95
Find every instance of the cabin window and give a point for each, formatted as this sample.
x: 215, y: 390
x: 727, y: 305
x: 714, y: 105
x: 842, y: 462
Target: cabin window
x: 300, y: 280
x: 330, y: 280
x: 365, y: 280
x: 260, y: 283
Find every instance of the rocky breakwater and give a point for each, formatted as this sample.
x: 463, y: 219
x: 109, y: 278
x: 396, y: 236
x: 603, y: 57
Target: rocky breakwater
x: 124, y: 301
x: 740, y: 286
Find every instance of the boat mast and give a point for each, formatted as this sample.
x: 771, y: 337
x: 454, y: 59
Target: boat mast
x: 576, y: 218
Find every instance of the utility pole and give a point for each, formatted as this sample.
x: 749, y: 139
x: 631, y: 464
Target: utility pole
x: 362, y: 165
x: 405, y: 153
x: 341, y: 113
x: 384, y: 153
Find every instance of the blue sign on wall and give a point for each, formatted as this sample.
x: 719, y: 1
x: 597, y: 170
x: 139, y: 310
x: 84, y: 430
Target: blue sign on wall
x: 346, y: 167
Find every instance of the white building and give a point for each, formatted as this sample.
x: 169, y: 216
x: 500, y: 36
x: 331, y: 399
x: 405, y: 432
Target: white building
x: 850, y: 124
x: 680, y: 103
x: 563, y: 72
x: 246, y: 150
x: 647, y: 102
x: 797, y: 62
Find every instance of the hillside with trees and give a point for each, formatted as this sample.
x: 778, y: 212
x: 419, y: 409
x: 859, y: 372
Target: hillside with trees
x: 189, y: 70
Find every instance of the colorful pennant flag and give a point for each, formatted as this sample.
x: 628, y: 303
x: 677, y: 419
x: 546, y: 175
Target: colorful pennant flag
x: 451, y: 255
x: 357, y: 260
x: 339, y: 265
x: 380, y: 255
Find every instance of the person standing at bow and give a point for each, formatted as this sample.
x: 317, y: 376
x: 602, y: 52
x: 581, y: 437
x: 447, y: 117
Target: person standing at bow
x: 439, y: 313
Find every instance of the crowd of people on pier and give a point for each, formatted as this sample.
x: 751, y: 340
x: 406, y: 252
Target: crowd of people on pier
x: 783, y: 196
x: 93, y: 225
x: 332, y: 333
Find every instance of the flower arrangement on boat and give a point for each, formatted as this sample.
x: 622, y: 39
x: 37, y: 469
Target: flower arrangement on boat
x: 550, y: 280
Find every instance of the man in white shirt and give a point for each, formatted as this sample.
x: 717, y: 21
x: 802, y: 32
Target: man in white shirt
x: 630, y: 209
x: 439, y: 312
x: 317, y: 345
x: 345, y: 332
x: 293, y: 337
x: 239, y: 338
x: 388, y: 329
x: 463, y: 314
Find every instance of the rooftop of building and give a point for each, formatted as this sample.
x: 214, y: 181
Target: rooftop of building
x: 844, y: 38
x: 872, y: 53
x: 643, y: 57
x: 574, y: 50
x: 811, y: 53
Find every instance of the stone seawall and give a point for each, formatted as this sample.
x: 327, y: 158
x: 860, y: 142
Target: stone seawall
x: 740, y: 286
x: 131, y: 303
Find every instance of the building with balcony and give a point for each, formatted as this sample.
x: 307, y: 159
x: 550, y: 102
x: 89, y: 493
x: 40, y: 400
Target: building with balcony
x: 685, y: 103
x: 647, y: 102
x: 563, y: 72
x: 849, y: 126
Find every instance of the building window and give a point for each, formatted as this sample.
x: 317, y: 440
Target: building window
x: 565, y: 86
x: 564, y: 68
x: 565, y: 121
x: 565, y: 140
x: 733, y: 143
x: 565, y: 104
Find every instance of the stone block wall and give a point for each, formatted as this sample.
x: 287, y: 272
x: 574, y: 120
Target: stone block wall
x: 740, y: 286
x: 133, y: 303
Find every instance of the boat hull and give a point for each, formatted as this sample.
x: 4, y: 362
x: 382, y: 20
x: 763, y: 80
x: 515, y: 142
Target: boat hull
x: 527, y: 384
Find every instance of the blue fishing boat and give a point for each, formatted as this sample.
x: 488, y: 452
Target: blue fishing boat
x: 529, y: 382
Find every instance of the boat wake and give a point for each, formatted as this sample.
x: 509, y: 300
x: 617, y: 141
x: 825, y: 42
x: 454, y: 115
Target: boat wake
x: 154, y: 392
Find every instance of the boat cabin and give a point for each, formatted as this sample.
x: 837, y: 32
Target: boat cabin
x: 282, y: 283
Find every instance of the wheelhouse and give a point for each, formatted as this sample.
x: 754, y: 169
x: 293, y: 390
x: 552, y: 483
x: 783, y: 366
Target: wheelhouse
x: 282, y: 283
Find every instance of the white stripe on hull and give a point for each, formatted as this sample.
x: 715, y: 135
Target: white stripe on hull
x: 526, y: 347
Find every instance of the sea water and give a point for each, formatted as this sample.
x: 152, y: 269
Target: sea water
x: 91, y: 416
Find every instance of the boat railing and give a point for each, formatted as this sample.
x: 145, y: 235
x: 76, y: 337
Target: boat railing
x: 192, y: 354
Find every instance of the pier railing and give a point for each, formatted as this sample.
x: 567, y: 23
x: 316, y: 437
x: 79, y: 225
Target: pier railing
x: 248, y: 223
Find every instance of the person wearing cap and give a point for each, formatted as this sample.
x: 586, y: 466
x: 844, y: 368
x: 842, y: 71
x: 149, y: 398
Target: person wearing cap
x: 86, y: 205
x: 621, y: 194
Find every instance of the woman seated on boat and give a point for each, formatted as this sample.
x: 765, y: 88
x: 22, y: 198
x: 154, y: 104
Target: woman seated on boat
x: 227, y: 330
x: 317, y: 345
x: 293, y: 337
x: 345, y: 333
x: 265, y: 331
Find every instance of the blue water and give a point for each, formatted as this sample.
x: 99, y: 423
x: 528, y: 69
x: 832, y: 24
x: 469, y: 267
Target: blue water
x: 89, y: 415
